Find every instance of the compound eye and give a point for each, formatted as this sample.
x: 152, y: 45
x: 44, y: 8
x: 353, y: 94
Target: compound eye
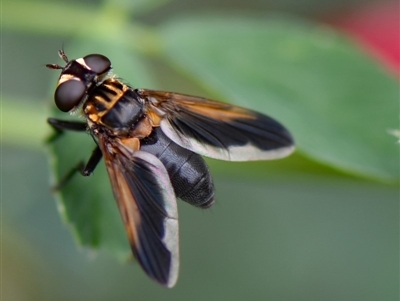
x: 97, y: 63
x: 69, y: 94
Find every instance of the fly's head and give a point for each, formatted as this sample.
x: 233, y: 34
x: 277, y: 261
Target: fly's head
x: 77, y: 78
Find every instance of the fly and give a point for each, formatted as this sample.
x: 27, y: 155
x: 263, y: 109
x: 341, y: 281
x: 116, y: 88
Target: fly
x: 152, y: 143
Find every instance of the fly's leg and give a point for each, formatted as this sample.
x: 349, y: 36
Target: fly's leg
x: 60, y: 126
x: 63, y: 125
x: 84, y: 170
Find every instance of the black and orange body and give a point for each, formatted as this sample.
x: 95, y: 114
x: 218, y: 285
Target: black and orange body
x: 152, y: 142
x: 116, y: 108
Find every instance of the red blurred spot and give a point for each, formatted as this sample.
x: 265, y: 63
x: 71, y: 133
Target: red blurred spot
x: 377, y: 28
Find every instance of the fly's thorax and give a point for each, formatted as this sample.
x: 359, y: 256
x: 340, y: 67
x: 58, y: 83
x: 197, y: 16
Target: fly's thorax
x: 116, y: 106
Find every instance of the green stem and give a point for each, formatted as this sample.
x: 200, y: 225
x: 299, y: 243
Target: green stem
x: 105, y: 23
x: 23, y: 123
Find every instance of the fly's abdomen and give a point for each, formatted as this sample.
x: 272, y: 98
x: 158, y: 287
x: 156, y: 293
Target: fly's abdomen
x: 115, y: 106
x: 188, y: 171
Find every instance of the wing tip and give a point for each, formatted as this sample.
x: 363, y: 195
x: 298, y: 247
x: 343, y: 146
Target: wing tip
x: 172, y: 278
x: 171, y: 281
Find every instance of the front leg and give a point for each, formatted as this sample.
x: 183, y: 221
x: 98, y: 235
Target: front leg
x: 64, y: 125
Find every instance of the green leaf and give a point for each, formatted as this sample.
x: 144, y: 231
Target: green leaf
x: 269, y: 77
x: 87, y: 203
x: 338, y: 103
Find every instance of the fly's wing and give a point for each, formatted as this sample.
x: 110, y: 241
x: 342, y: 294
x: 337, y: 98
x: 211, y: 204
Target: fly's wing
x: 216, y: 129
x: 148, y: 209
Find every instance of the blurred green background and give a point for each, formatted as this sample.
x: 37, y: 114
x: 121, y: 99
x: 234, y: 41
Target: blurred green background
x: 322, y: 224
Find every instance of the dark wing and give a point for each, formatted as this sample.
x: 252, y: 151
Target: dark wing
x: 216, y: 129
x: 148, y: 209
